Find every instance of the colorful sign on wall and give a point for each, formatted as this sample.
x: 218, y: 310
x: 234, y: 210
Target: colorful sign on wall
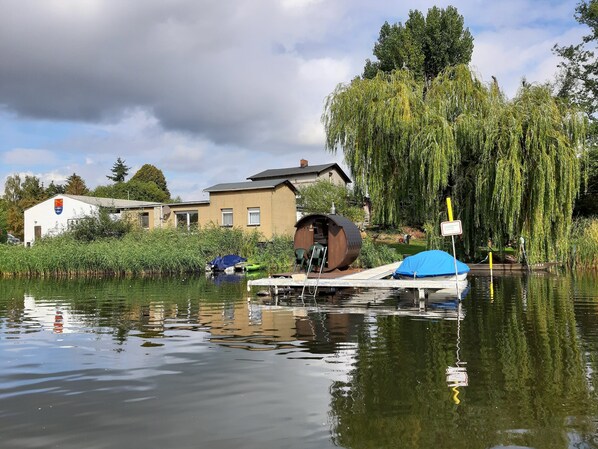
x: 58, y: 203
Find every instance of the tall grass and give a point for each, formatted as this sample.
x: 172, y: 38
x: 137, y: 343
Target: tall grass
x: 584, y: 244
x: 161, y: 251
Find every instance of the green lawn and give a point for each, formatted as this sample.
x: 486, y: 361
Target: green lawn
x: 414, y: 247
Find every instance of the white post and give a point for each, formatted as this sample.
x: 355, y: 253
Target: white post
x: 456, y: 269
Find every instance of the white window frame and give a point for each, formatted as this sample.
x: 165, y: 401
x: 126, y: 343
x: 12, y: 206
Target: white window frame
x: 253, y: 212
x: 187, y: 221
x: 143, y: 215
x: 227, y: 212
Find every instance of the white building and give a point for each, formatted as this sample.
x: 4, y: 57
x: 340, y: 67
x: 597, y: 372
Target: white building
x: 54, y: 215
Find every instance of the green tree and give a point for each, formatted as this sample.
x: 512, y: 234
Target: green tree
x: 511, y: 166
x: 424, y: 45
x: 13, y: 191
x: 150, y: 173
x: 33, y: 189
x: 132, y: 190
x: 119, y: 171
x: 319, y: 198
x: 20, y: 194
x: 587, y: 203
x: 577, y: 83
x: 3, y: 220
x: 75, y: 185
x: 54, y: 189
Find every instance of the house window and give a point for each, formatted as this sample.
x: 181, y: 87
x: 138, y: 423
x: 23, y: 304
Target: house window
x: 253, y: 216
x: 144, y: 220
x: 227, y: 217
x: 187, y: 219
x: 72, y: 222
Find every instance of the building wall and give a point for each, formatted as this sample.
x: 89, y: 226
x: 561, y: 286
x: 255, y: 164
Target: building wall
x: 199, y: 208
x: 51, y: 223
x: 277, y: 210
x: 331, y: 175
x: 151, y: 221
x: 284, y: 211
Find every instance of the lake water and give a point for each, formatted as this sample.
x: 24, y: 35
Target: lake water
x: 198, y: 363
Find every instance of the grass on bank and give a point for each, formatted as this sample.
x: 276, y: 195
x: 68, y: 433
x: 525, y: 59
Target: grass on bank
x: 160, y: 251
x: 171, y: 251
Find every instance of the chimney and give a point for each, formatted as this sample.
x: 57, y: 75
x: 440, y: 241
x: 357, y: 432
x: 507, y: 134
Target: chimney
x: 303, y: 163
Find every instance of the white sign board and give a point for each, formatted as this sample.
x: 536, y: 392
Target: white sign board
x: 451, y: 228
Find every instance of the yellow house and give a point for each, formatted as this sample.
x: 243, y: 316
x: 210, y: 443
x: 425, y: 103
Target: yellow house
x: 265, y: 206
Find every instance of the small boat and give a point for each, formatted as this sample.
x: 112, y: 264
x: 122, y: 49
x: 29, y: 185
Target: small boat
x: 248, y: 266
x: 225, y: 263
x: 435, y: 264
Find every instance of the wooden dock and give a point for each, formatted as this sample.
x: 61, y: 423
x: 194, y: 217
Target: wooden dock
x: 512, y: 267
x: 373, y: 278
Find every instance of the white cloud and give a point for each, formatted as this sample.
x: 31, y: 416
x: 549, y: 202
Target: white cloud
x: 28, y: 157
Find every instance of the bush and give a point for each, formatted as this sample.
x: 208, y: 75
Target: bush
x: 100, y: 226
x: 375, y: 254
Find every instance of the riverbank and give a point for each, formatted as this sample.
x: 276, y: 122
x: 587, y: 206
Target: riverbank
x: 161, y: 251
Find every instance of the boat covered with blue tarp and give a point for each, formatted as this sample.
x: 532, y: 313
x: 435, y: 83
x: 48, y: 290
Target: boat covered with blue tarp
x: 433, y: 263
x: 221, y: 263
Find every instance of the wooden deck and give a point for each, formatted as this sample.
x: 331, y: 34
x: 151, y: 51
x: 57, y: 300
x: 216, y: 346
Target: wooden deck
x: 511, y: 267
x: 373, y: 278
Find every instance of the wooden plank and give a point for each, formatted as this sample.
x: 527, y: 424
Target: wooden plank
x: 512, y: 267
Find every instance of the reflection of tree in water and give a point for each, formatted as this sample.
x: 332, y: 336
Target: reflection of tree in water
x: 122, y: 306
x: 527, y: 376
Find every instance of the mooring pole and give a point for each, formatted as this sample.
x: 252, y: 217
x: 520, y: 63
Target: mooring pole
x: 450, y: 217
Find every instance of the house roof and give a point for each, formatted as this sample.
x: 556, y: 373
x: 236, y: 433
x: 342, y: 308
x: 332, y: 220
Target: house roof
x: 298, y: 171
x: 249, y: 185
x: 111, y: 202
x: 188, y: 203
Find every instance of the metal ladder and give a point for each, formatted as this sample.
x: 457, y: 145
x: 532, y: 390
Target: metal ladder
x: 309, y: 271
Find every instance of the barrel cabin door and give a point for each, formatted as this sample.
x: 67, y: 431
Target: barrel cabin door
x: 336, y: 245
x: 304, y: 237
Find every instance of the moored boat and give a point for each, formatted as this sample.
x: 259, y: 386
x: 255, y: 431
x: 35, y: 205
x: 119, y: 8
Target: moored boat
x: 433, y: 264
x: 225, y: 263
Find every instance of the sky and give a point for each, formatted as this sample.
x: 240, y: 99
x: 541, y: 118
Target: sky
x: 213, y: 91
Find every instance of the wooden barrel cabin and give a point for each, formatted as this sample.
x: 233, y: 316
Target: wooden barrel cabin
x: 338, y: 234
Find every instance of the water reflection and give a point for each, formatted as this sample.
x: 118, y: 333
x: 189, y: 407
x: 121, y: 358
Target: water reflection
x: 368, y: 369
x: 530, y: 383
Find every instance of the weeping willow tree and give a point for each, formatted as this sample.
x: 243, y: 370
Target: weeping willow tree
x: 510, y: 166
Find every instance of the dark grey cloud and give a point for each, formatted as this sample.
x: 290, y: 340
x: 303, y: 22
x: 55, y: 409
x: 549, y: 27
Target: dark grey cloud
x: 226, y: 70
x: 213, y: 90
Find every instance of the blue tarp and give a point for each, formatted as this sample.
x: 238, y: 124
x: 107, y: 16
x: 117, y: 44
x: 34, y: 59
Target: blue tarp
x: 220, y: 263
x: 429, y: 263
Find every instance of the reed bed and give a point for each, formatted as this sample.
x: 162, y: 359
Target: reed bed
x: 584, y: 244
x: 162, y: 251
